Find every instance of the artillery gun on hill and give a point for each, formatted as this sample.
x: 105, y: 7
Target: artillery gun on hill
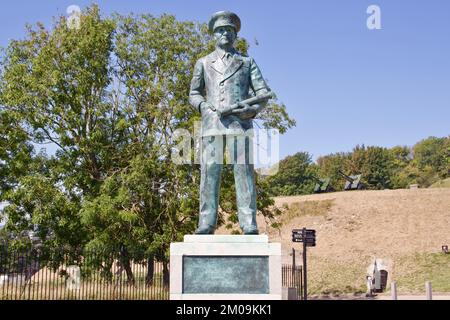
x: 352, y: 182
x: 323, y: 185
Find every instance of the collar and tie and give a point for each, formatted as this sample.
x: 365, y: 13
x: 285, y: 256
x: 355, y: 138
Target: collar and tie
x: 225, y: 56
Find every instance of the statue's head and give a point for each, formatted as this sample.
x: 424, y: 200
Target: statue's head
x: 224, y: 25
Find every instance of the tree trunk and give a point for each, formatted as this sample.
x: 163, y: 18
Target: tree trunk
x: 166, y: 274
x: 150, y: 271
x: 127, y: 266
x: 130, y: 276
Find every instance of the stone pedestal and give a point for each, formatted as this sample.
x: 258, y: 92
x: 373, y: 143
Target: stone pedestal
x: 225, y: 267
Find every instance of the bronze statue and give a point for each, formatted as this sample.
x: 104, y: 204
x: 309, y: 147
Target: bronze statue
x: 229, y: 91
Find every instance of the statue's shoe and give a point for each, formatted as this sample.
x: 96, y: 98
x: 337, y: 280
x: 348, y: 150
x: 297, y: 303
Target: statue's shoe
x: 204, y: 230
x: 250, y: 230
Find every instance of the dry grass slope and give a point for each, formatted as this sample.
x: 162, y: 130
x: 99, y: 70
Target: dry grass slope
x: 406, y: 228
x: 442, y: 184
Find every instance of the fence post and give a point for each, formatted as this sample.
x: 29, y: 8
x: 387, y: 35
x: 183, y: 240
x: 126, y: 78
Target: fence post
x: 301, y: 282
x: 428, y: 290
x: 305, y: 281
x: 30, y: 275
x: 293, y: 258
x: 394, y: 291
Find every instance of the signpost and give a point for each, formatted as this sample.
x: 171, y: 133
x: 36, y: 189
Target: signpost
x: 308, y: 238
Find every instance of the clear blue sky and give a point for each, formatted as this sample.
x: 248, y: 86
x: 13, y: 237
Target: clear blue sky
x: 343, y: 83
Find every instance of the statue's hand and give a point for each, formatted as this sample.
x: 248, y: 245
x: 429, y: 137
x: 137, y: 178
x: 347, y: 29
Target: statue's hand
x: 205, y: 106
x: 245, y: 112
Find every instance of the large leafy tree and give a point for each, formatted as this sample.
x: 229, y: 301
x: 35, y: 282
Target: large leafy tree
x: 330, y: 165
x: 296, y: 175
x: 55, y: 84
x: 401, y: 161
x: 109, y: 96
x: 432, y: 154
x: 375, y: 165
x: 428, y: 162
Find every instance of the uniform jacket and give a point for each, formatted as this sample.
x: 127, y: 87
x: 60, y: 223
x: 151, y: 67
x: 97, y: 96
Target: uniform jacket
x: 223, y: 86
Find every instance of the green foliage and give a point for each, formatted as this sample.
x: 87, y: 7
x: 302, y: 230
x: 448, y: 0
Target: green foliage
x: 54, y: 85
x: 16, y: 152
x: 398, y: 167
x: 330, y: 165
x: 109, y: 96
x: 432, y: 155
x: 275, y: 116
x: 38, y: 204
x: 428, y: 152
x: 401, y: 157
x: 295, y: 176
x: 375, y: 165
x: 425, y: 163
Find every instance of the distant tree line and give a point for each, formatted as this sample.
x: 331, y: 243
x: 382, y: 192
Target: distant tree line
x: 427, y: 162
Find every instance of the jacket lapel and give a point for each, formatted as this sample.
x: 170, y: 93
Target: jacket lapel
x: 233, y: 67
x: 215, y: 64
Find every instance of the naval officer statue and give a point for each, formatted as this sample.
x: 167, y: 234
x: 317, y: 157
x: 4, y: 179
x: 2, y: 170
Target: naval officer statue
x: 222, y: 88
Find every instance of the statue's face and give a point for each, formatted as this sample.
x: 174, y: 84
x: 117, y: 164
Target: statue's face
x: 225, y: 36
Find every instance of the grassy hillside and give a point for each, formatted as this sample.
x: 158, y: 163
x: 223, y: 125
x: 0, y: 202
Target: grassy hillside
x: 441, y: 184
x: 405, y: 228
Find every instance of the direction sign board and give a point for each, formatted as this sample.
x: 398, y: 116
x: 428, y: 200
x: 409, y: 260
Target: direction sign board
x: 307, y: 236
x: 307, y: 231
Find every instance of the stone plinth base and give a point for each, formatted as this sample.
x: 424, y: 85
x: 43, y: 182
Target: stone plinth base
x: 225, y: 267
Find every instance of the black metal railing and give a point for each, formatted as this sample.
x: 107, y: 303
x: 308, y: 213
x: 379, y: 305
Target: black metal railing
x: 292, y: 278
x: 92, y: 275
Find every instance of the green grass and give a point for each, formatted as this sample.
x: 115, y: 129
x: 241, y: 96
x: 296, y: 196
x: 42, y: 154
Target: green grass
x: 331, y: 277
x: 441, y: 184
x: 412, y: 272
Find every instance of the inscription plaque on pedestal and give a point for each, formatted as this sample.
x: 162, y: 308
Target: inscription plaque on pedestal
x: 226, y: 274
x: 225, y: 267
